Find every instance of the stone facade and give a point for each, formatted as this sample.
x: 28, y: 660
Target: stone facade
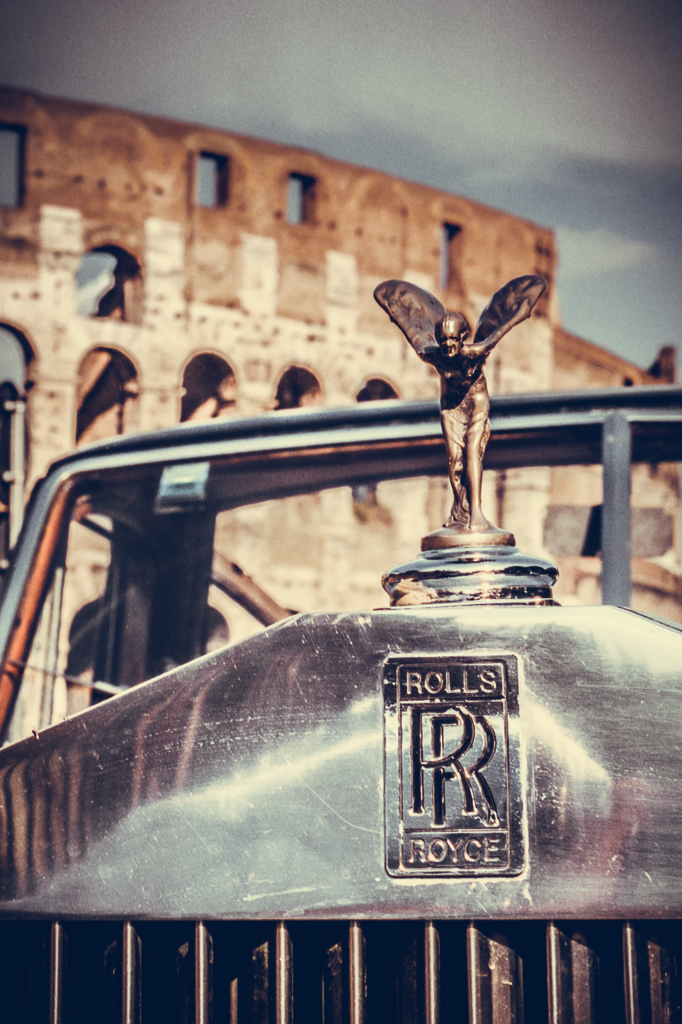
x: 261, y: 260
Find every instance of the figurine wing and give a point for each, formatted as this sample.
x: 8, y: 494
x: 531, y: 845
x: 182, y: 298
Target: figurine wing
x: 414, y: 310
x: 508, y: 307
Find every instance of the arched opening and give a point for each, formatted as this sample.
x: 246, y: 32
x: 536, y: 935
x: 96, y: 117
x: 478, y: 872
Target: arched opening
x: 297, y: 387
x: 16, y: 359
x: 108, y: 284
x: 107, y: 389
x: 376, y: 389
x: 16, y: 356
x: 210, y: 388
x: 366, y: 504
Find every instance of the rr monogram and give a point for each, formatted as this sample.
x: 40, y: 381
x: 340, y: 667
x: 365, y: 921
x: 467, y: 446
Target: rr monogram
x: 440, y: 762
x: 454, y: 803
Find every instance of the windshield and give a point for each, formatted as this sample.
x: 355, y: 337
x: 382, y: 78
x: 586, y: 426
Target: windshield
x: 156, y: 565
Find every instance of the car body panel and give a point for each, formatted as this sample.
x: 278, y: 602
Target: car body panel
x: 249, y: 784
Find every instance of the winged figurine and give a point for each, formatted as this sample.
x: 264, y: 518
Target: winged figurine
x: 442, y: 339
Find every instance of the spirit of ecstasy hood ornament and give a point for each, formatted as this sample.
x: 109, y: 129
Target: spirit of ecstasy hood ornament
x: 444, y: 340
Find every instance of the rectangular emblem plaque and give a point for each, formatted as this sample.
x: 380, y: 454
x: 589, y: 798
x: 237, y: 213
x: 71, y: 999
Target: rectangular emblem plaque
x: 452, y: 766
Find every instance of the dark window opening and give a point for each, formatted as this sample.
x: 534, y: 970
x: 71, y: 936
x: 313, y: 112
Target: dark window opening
x: 300, y: 198
x: 16, y: 355
x: 211, y: 180
x: 297, y: 387
x: 450, y: 255
x: 107, y: 388
x: 11, y: 165
x: 108, y: 284
x: 210, y: 388
x: 376, y: 389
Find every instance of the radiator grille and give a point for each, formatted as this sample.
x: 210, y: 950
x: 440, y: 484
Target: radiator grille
x: 339, y: 972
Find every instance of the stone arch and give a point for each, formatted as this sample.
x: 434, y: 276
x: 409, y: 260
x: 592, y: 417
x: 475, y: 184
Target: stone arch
x: 119, y: 153
x: 109, y: 284
x: 108, y: 385
x: 297, y: 386
x: 17, y: 358
x: 209, y: 388
x: 381, y: 208
x: 376, y: 389
x: 374, y: 187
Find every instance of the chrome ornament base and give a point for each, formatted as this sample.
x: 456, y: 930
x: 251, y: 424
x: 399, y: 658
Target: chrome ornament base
x: 488, y: 573
x: 456, y: 537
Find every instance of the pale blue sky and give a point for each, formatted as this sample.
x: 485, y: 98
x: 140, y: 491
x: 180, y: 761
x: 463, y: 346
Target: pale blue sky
x: 563, y: 111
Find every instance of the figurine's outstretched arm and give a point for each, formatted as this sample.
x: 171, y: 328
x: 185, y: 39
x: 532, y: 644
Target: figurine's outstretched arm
x: 509, y: 306
x: 415, y: 311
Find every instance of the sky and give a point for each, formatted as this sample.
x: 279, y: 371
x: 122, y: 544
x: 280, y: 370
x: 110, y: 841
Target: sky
x: 566, y: 112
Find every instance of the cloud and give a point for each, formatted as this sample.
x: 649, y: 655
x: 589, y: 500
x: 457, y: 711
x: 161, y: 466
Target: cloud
x: 597, y: 80
x: 598, y: 251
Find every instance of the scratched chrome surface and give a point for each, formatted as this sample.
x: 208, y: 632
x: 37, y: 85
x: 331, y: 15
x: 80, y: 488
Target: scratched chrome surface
x: 249, y: 783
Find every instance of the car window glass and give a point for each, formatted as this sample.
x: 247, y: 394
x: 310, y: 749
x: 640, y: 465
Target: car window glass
x: 327, y: 551
x: 155, y: 571
x: 59, y: 671
x: 34, y: 705
x: 88, y: 560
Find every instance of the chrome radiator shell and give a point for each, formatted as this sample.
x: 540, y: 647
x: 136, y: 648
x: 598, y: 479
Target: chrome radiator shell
x: 249, y: 785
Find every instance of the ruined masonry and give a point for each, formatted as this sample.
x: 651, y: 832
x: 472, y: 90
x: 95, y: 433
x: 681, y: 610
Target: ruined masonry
x: 155, y: 271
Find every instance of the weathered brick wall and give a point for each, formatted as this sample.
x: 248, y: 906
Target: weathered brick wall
x: 238, y: 279
x: 241, y: 281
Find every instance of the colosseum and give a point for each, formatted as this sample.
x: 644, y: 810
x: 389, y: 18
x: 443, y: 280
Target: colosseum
x: 155, y: 272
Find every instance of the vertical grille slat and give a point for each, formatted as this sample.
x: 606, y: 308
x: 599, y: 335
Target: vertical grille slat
x: 572, y: 977
x: 234, y: 1001
x: 473, y: 974
x: 662, y: 984
x: 203, y: 981
x: 495, y: 979
x: 130, y: 975
x: 56, y: 971
x: 399, y: 972
x: 357, y: 975
x: 630, y: 974
x: 431, y: 973
x: 334, y: 983
x: 557, y: 970
x: 650, y: 974
x: 261, y: 987
x: 284, y: 977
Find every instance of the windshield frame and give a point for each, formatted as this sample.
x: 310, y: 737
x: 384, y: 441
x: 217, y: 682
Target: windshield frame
x: 268, y: 466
